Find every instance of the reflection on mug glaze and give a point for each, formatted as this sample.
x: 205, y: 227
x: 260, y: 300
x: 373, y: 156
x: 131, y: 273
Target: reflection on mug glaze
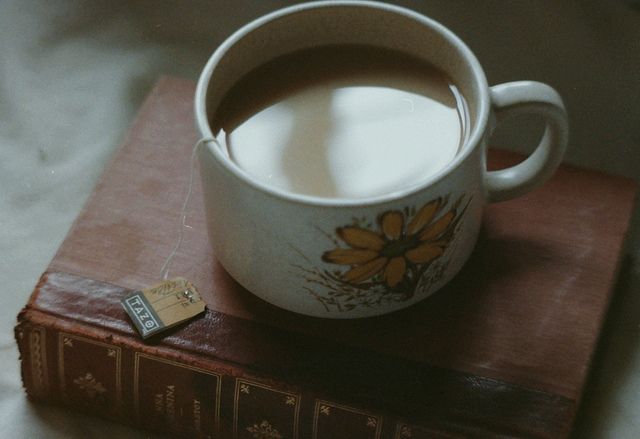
x: 405, y: 254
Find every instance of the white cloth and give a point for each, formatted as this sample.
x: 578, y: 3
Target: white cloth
x: 72, y: 75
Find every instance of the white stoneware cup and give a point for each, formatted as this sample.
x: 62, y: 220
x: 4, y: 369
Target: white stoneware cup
x: 347, y: 258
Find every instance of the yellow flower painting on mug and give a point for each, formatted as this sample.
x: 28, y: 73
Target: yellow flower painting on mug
x: 387, y: 260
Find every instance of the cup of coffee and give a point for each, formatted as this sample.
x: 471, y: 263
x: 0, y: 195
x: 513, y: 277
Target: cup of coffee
x: 344, y: 155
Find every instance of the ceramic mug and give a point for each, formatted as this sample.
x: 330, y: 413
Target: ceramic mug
x: 347, y: 258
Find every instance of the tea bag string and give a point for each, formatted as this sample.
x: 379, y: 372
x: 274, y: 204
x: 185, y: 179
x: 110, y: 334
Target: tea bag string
x: 164, y: 271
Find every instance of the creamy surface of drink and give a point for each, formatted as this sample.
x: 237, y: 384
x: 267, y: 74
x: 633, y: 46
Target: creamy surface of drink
x: 342, y: 122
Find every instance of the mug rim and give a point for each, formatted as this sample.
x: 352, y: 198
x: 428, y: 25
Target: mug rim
x: 473, y: 141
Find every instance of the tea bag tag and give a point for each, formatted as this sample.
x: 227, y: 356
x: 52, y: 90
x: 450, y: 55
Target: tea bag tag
x: 163, y: 305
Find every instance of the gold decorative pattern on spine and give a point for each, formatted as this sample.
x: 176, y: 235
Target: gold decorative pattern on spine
x: 67, y: 341
x: 264, y: 431
x: 89, y: 385
x: 37, y: 347
x: 243, y: 386
x: 403, y: 431
x: 325, y: 408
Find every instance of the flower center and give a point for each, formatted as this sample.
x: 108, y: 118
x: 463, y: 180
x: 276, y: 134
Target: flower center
x: 399, y: 247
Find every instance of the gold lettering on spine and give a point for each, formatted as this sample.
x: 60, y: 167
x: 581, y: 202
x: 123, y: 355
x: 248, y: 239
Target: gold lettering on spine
x: 197, y: 419
x: 162, y: 401
x: 158, y: 403
x: 39, y: 374
x: 170, y: 403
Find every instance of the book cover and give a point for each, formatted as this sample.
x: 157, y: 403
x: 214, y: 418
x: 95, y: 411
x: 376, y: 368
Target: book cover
x: 502, y: 351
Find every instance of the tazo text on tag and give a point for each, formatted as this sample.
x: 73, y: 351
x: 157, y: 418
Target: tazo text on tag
x: 163, y: 305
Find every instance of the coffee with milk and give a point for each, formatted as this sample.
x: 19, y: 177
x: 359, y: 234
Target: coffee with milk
x: 346, y: 122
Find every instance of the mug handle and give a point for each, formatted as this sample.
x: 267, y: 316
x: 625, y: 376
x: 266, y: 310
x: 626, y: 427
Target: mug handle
x: 528, y: 97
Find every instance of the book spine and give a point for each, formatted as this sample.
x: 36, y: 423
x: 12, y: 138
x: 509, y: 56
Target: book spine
x: 159, y: 389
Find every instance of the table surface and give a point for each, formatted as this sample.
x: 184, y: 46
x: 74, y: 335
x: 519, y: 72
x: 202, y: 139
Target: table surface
x: 73, y: 78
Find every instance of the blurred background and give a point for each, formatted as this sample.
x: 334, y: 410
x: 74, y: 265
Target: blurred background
x: 73, y: 74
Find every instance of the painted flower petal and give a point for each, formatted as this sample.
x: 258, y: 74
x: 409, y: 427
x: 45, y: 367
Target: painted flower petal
x: 394, y: 271
x: 425, y: 253
x: 392, y: 223
x: 424, y: 216
x: 361, y: 238
x: 365, y: 271
x: 349, y: 256
x: 438, y: 227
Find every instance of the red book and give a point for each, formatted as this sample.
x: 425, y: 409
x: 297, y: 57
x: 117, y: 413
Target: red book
x: 502, y: 351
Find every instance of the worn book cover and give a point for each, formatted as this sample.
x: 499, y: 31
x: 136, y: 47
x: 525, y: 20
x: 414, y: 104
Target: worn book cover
x: 502, y: 351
